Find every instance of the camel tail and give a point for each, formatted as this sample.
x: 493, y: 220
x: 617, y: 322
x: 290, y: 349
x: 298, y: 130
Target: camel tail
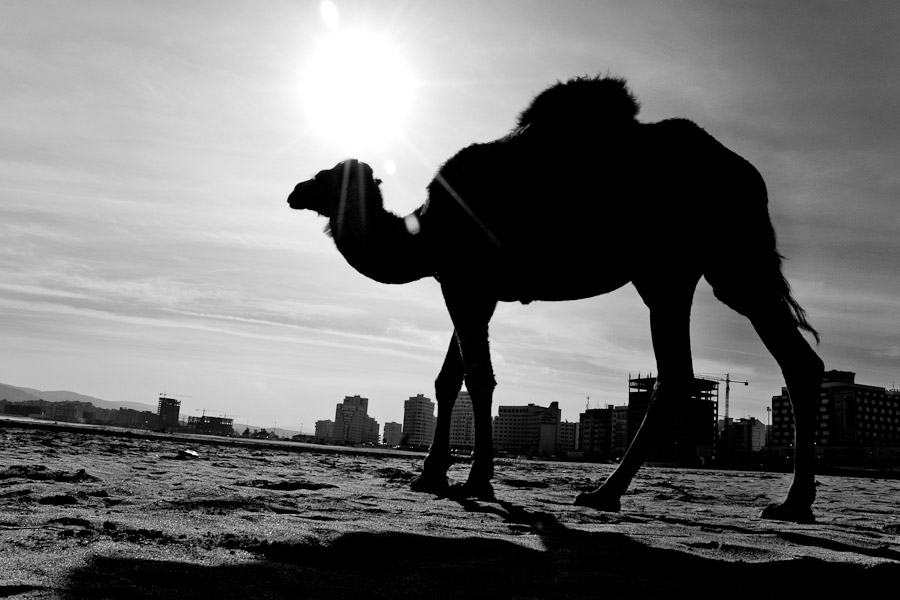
x: 798, y: 312
x: 770, y: 247
x: 750, y: 270
x: 754, y: 275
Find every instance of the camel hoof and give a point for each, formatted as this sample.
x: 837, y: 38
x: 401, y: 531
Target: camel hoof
x: 478, y: 491
x: 599, y: 501
x: 787, y: 512
x: 430, y: 485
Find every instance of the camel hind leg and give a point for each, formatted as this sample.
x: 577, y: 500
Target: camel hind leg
x: 774, y: 315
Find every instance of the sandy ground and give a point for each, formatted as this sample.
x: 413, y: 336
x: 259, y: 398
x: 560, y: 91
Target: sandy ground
x: 119, y: 516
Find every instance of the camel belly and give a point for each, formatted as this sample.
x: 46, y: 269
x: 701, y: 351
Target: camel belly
x: 558, y: 285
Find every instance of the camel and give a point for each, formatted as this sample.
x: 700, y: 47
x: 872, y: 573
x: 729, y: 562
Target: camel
x: 580, y: 199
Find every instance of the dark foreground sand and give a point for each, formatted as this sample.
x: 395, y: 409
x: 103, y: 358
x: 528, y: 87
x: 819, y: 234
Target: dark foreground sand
x: 117, y: 516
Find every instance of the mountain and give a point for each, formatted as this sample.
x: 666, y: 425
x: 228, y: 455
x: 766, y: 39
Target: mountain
x: 14, y: 394
x: 23, y: 394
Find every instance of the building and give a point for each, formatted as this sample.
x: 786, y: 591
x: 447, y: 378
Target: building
x: 418, y: 421
x: 393, y: 434
x: 133, y: 419
x: 857, y: 425
x: 64, y: 411
x: 530, y: 430
x: 604, y: 432
x: 168, y: 409
x: 208, y: 425
x: 324, y: 431
x: 744, y: 435
x: 352, y: 424
x: 21, y: 409
x: 462, y: 423
x: 620, y: 424
x: 567, y: 438
x: 690, y: 439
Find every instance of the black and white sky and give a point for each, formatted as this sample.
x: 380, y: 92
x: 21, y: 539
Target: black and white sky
x: 147, y: 149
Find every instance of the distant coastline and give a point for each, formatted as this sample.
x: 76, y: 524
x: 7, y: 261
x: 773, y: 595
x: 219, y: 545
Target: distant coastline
x: 197, y: 439
x: 211, y: 440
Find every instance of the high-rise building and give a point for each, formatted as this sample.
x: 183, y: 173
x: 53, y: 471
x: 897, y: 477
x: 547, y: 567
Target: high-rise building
x: 857, y: 425
x: 567, y: 438
x: 168, y: 409
x: 418, y: 421
x: 462, y: 423
x: 620, y: 425
x: 351, y: 423
x: 393, y: 434
x: 527, y: 429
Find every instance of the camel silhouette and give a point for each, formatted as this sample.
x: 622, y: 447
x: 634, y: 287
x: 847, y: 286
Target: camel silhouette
x: 579, y: 199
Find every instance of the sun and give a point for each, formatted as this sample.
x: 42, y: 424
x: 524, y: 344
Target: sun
x: 357, y: 89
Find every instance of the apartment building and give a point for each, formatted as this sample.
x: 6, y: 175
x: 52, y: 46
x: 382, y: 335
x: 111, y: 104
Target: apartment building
x: 418, y: 421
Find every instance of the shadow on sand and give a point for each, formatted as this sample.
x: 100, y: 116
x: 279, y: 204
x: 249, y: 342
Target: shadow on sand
x: 573, y: 564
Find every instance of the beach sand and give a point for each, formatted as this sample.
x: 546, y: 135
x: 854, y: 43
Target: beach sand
x: 84, y: 514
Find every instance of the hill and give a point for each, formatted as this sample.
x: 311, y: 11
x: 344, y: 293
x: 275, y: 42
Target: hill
x: 14, y: 394
x: 23, y: 394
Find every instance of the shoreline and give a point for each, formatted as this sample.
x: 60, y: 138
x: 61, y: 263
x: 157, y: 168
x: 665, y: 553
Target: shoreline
x: 292, y: 446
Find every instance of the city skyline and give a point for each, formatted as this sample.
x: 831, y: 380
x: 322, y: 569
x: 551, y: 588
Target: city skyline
x: 150, y: 149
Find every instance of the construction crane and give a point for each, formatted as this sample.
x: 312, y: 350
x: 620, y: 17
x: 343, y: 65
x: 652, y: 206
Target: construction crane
x: 727, y: 379
x: 214, y: 410
x: 726, y: 434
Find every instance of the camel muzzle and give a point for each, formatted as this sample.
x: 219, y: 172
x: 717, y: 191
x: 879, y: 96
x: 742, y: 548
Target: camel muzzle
x: 303, y: 195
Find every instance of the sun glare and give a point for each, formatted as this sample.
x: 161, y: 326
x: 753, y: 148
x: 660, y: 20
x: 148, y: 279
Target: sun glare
x: 356, y: 88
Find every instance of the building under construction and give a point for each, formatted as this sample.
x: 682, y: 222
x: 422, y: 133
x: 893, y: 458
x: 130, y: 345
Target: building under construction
x: 211, y: 425
x: 690, y: 439
x: 168, y: 409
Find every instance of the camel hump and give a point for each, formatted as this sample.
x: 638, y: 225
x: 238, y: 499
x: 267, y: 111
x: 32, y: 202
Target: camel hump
x: 583, y: 101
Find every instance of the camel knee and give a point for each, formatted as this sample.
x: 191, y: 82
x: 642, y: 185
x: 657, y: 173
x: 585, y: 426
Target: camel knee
x: 481, y: 384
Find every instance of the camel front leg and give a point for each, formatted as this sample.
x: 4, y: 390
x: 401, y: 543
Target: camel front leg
x: 478, y: 485
x: 471, y: 314
x: 449, y: 381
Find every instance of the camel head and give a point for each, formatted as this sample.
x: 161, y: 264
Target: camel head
x: 330, y: 189
x: 377, y: 243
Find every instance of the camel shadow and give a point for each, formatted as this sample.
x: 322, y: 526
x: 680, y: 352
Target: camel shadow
x: 558, y: 563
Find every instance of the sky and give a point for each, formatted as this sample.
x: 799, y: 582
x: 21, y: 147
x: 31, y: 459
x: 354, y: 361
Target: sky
x: 147, y: 150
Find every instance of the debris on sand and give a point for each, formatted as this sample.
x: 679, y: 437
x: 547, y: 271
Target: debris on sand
x: 42, y: 473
